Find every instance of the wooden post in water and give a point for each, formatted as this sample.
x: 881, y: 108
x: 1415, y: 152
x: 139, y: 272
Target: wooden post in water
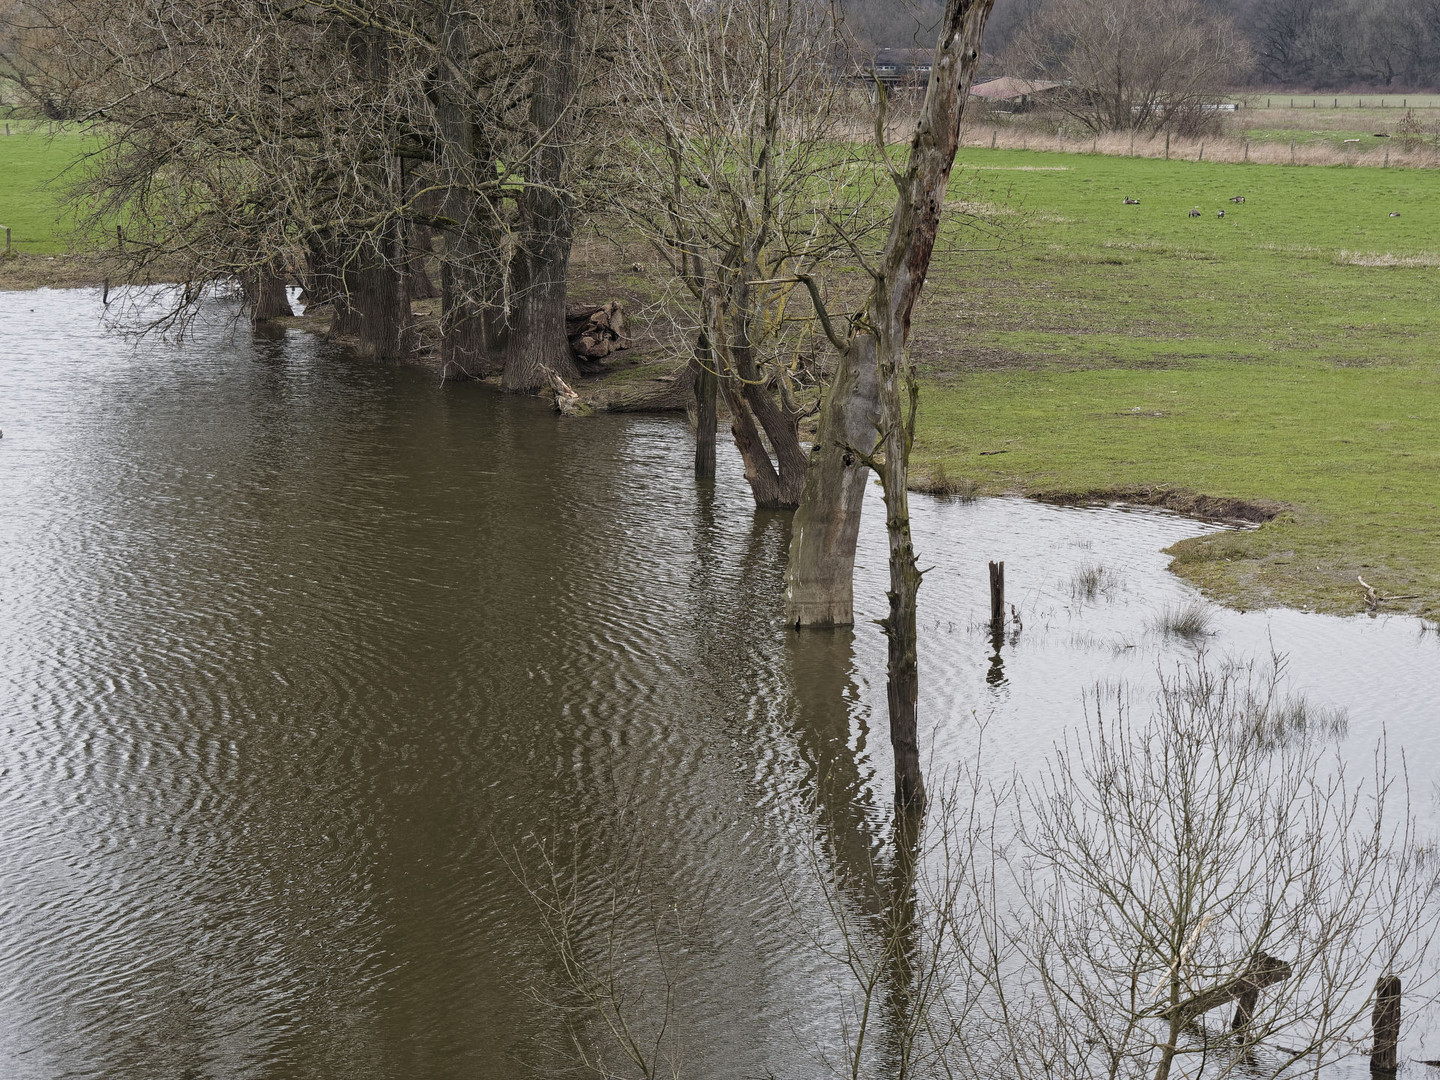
x: 997, y: 596
x: 1385, y: 1020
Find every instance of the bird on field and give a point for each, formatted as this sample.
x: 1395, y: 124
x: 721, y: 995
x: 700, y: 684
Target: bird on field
x: 1237, y: 198
x: 1131, y: 202
x: 1195, y: 211
x: 1220, y: 213
x: 1394, y: 213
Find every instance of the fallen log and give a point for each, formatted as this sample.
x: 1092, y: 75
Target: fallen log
x: 1265, y: 970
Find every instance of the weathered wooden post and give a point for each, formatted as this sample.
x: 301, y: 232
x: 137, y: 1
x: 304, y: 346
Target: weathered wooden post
x: 7, y: 241
x: 1385, y: 1020
x: 1167, y: 146
x: 1202, y: 153
x: 997, y: 596
x: 993, y: 135
x: 1387, y: 158
x: 119, y: 238
x: 1292, y: 151
x: 1247, y: 149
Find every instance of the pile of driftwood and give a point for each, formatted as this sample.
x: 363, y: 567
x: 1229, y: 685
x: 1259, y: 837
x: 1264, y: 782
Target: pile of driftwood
x: 596, y: 332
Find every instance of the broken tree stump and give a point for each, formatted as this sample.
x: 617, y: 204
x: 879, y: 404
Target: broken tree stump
x: 1385, y: 1022
x: 997, y: 596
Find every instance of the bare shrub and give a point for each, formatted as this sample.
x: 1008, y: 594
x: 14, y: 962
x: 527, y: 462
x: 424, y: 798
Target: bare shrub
x: 1160, y: 861
x: 1148, y: 65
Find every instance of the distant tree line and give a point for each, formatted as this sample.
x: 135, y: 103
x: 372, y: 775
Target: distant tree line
x: 1320, y: 44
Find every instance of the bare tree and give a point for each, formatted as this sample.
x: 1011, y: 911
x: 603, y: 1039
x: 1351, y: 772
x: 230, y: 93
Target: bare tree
x: 1148, y: 65
x: 868, y: 420
x: 746, y: 185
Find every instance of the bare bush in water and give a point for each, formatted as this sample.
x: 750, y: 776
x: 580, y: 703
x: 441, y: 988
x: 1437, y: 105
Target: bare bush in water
x: 1158, y: 863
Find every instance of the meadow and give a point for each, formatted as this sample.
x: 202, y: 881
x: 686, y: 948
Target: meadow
x: 1285, y: 354
x: 1072, y: 346
x: 32, y: 164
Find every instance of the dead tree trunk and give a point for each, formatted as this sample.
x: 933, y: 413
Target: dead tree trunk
x: 820, y: 574
x: 820, y: 571
x: 897, y: 282
x: 538, y: 347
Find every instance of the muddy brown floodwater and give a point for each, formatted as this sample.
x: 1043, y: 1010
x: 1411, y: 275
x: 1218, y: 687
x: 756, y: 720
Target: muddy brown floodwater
x: 297, y: 652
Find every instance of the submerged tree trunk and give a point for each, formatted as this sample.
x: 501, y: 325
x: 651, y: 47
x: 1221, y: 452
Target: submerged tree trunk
x: 706, y: 419
x: 264, y: 289
x: 775, y: 483
x: 373, y: 304
x: 820, y: 573
x: 538, y: 347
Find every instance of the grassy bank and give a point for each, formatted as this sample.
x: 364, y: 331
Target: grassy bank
x: 1285, y: 353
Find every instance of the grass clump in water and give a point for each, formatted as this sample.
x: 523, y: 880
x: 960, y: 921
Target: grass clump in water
x: 1191, y: 621
x: 940, y: 483
x: 1094, y: 580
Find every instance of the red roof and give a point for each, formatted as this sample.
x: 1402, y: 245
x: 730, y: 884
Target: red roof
x: 1007, y: 87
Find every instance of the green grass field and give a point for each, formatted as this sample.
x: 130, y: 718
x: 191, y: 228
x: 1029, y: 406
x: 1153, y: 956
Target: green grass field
x: 30, y: 194
x: 1284, y: 353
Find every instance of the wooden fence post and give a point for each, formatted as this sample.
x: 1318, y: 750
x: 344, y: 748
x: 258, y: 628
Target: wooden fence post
x: 1247, y: 149
x: 1167, y: 146
x: 1385, y: 1020
x: 997, y: 596
x: 7, y: 241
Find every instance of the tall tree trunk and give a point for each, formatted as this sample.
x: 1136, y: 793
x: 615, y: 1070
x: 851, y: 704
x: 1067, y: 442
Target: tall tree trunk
x: 919, y: 198
x: 820, y: 573
x: 538, y: 345
x: 706, y: 389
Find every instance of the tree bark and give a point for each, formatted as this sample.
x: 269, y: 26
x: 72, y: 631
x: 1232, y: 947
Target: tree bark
x: 538, y: 347
x: 820, y: 573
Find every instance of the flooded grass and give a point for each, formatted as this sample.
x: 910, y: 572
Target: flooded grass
x: 1094, y: 580
x: 1190, y: 621
x: 1133, y: 346
x: 940, y: 483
